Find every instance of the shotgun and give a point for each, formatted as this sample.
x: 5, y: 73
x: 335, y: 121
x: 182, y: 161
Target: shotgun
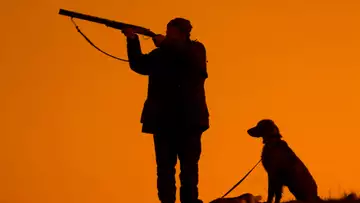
x: 108, y: 23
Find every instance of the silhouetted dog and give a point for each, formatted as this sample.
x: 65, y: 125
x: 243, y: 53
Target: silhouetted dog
x: 282, y: 165
x: 244, y: 198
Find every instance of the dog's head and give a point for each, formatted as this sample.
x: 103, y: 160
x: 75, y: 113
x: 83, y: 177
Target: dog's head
x: 266, y: 129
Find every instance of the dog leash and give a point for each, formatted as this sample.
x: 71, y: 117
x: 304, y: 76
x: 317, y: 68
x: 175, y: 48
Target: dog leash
x: 241, y: 179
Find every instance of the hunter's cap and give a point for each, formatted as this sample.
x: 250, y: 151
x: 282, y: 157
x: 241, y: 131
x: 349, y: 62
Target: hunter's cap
x: 264, y: 127
x: 182, y: 24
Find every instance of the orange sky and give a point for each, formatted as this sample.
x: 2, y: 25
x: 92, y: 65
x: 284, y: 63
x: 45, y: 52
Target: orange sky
x: 70, y: 115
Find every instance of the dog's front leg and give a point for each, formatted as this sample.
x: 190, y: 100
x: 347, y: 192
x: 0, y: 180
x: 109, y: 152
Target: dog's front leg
x: 271, y: 189
x: 278, y: 192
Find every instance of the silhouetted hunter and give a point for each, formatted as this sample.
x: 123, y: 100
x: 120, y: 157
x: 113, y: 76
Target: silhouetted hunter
x: 175, y: 110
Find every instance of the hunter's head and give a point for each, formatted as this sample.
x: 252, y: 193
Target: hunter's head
x: 178, y: 29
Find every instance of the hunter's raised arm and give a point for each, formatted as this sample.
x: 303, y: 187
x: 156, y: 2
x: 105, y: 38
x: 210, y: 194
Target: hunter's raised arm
x: 139, y: 62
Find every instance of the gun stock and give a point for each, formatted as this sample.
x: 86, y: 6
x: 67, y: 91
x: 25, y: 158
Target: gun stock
x: 109, y: 23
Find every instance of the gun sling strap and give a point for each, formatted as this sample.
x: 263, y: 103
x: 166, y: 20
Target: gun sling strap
x: 92, y: 44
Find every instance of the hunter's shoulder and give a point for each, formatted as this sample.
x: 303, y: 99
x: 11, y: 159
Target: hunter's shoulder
x: 198, y: 46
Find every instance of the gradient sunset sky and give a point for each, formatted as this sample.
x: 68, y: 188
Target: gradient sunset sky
x: 70, y: 129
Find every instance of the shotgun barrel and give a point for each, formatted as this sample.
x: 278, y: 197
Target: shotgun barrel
x: 109, y: 23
